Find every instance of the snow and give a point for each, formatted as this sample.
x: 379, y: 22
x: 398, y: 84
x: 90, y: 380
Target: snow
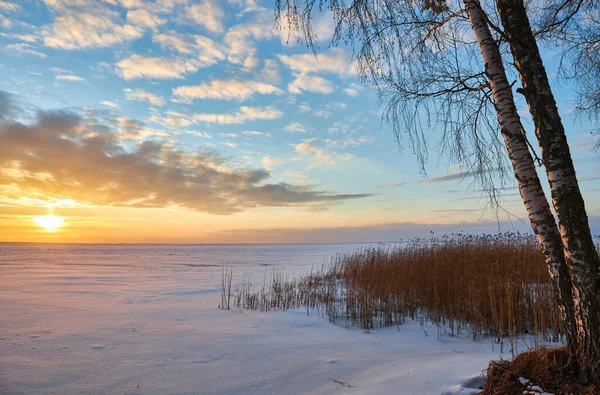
x: 144, y: 320
x: 532, y: 389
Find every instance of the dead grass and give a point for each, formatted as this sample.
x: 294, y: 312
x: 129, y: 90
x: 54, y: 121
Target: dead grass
x: 493, y: 285
x: 468, y: 285
x: 549, y: 369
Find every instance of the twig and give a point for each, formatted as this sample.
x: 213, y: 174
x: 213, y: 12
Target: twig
x: 423, y: 327
x: 342, y: 383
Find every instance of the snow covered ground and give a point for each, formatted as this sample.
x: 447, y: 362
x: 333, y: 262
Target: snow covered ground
x: 144, y: 320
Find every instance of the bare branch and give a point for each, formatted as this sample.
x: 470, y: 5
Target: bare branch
x: 442, y: 23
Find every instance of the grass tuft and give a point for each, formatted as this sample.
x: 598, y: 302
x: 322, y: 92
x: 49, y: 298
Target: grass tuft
x: 548, y: 369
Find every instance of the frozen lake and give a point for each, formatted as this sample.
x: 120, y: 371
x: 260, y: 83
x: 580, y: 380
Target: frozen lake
x: 143, y: 319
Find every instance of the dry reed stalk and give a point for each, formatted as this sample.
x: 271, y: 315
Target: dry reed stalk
x: 226, y: 279
x: 468, y: 285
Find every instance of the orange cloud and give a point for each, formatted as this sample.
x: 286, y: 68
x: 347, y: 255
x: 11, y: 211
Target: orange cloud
x: 61, y: 155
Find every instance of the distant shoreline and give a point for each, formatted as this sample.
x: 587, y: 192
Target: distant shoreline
x: 195, y: 244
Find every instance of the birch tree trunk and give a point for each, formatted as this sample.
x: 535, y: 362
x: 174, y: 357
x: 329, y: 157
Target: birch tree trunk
x: 579, y: 248
x: 538, y: 209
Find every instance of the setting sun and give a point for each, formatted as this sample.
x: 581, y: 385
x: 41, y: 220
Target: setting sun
x: 49, y: 222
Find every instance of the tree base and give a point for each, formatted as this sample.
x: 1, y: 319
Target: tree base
x: 551, y: 370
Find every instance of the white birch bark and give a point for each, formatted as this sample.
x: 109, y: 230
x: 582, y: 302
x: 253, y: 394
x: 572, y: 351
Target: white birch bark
x: 579, y: 249
x: 534, y: 199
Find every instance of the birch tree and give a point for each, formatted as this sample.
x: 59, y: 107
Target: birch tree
x: 537, y: 206
x: 443, y: 63
x: 580, y: 252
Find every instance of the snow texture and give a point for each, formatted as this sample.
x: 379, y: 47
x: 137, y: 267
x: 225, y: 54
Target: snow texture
x: 144, y: 320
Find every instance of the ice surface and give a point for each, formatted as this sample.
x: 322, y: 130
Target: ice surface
x: 144, y: 320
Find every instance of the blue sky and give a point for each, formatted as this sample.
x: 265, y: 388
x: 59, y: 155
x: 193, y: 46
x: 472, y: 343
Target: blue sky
x: 218, y: 82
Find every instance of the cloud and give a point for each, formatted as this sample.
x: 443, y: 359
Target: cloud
x: 270, y: 72
x: 197, y: 134
x: 348, y: 142
x: 243, y: 114
x: 144, y: 19
x: 5, y: 22
x: 335, y: 61
x: 352, y: 90
x: 452, y: 177
x: 172, y: 120
x: 9, y: 108
x: 586, y: 142
x: 295, y: 127
x: 586, y: 179
x: 249, y: 133
x: 70, y: 77
x: 127, y: 3
x: 226, y: 90
x: 310, y: 83
x: 137, y: 66
x: 206, y: 51
x: 95, y: 28
x: 395, y: 185
x: 208, y: 14
x: 143, y: 96
x: 320, y: 156
x: 110, y: 104
x: 229, y: 144
x: 60, y: 70
x: 29, y: 38
x: 240, y: 40
x: 131, y: 129
x: 323, y: 27
x: 63, y: 5
x: 270, y: 162
x: 247, y: 5
x: 60, y: 155
x: 9, y: 7
x: 322, y: 113
x: 250, y: 63
x: 339, y: 128
x: 171, y: 4
x: 327, y: 110
x: 304, y: 107
x: 24, y: 49
x: 308, y: 148
x: 305, y: 66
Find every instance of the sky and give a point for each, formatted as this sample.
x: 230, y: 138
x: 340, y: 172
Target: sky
x: 180, y: 121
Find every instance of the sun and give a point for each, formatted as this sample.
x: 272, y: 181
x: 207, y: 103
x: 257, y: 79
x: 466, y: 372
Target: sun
x: 49, y: 222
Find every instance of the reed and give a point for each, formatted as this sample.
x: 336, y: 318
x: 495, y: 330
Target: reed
x: 491, y: 285
x: 226, y: 280
x: 474, y: 285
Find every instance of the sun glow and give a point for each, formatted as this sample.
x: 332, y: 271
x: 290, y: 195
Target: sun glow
x: 49, y: 222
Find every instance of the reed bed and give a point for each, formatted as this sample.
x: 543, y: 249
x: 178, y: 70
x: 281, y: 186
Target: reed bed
x: 491, y: 285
